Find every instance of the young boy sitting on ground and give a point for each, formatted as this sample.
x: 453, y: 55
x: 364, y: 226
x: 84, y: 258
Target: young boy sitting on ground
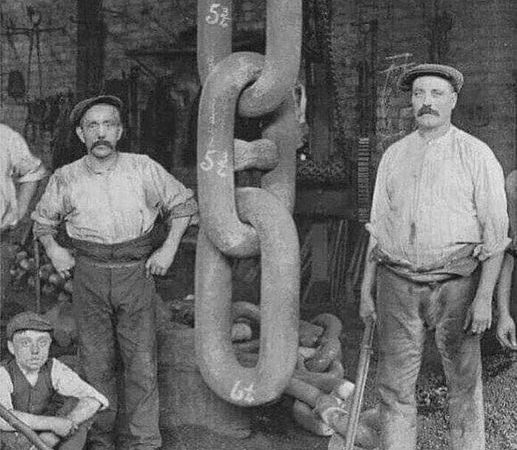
x: 29, y: 382
x: 505, y: 323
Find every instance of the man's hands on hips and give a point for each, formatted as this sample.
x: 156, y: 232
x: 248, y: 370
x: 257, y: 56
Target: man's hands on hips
x: 479, y: 315
x: 160, y: 261
x: 61, y: 259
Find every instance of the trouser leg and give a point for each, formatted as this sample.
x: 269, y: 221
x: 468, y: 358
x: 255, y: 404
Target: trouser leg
x: 461, y: 357
x: 93, y: 311
x: 401, y: 337
x: 136, y: 333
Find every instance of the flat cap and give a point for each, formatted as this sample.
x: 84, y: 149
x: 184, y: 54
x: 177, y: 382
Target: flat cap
x: 452, y: 75
x: 84, y: 105
x: 27, y: 320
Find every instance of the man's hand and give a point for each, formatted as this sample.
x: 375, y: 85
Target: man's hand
x: 367, y: 308
x: 63, y: 426
x: 506, y: 332
x: 49, y: 438
x: 61, y: 259
x: 479, y: 315
x: 160, y: 261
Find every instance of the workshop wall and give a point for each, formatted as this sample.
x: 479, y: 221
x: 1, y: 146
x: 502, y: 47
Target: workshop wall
x: 386, y: 35
x: 149, y: 46
x: 37, y: 66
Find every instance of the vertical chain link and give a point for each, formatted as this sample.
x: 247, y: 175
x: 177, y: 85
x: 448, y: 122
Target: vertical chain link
x: 243, y: 222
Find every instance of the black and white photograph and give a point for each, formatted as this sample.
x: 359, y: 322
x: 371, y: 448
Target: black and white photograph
x: 258, y: 225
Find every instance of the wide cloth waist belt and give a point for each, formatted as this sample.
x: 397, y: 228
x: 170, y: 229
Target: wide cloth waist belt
x: 462, y: 263
x: 131, y: 251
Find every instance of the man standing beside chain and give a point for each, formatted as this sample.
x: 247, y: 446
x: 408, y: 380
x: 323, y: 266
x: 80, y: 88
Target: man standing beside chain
x: 438, y: 230
x: 109, y: 202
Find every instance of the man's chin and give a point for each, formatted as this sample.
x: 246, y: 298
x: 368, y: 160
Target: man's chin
x: 101, y: 151
x: 428, y: 121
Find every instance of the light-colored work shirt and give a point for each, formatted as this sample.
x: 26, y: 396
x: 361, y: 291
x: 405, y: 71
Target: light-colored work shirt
x: 64, y: 381
x: 433, y: 197
x: 17, y: 165
x: 112, y: 206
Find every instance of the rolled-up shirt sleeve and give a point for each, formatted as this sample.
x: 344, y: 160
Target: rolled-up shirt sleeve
x: 26, y: 167
x: 50, y: 210
x: 66, y: 382
x: 176, y: 200
x: 490, y: 203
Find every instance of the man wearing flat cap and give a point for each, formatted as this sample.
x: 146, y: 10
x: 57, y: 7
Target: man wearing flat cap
x: 109, y: 202
x: 438, y: 231
x: 29, y: 382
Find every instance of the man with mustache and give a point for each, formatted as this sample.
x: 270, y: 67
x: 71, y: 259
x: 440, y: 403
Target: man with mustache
x: 109, y: 202
x: 438, y: 231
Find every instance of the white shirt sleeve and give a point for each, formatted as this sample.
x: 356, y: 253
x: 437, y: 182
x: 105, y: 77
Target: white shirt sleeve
x: 66, y: 382
x: 6, y: 389
x: 26, y: 167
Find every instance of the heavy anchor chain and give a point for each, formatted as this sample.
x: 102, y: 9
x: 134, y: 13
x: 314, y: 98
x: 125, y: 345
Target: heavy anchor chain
x: 245, y: 222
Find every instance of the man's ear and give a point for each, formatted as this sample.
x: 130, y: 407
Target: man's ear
x: 80, y: 133
x: 10, y: 346
x: 454, y: 99
x: 120, y: 132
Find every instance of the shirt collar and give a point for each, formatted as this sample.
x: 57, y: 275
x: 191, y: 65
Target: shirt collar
x: 90, y: 167
x: 439, y: 140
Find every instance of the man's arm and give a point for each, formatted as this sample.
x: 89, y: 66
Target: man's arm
x: 85, y: 409
x: 479, y: 315
x: 47, y: 216
x: 61, y: 258
x: 160, y: 261
x: 178, y: 204
x: 58, y: 425
x: 505, y: 323
x: 25, y: 193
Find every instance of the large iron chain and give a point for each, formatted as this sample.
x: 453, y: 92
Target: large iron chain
x: 244, y: 222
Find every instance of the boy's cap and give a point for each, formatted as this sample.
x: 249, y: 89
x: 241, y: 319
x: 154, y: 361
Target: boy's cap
x: 27, y: 320
x: 80, y: 109
x: 449, y: 73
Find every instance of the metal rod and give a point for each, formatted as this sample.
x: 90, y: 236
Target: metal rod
x: 23, y: 428
x: 362, y: 374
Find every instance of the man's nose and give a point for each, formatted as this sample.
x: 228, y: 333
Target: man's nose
x: 102, y: 130
x: 34, y: 349
x: 428, y: 100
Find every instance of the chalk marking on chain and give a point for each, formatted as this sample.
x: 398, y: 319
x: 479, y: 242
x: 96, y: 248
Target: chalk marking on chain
x: 208, y: 163
x: 219, y: 15
x: 246, y: 393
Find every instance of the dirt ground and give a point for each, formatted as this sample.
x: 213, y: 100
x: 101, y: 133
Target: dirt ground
x: 272, y: 426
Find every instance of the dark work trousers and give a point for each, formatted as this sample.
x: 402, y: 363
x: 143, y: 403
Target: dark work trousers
x: 115, y: 311
x: 405, y: 309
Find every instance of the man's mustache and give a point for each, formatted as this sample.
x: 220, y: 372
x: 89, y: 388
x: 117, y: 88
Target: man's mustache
x: 103, y: 142
x: 427, y: 110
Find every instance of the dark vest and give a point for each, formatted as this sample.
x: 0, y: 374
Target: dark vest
x: 27, y: 398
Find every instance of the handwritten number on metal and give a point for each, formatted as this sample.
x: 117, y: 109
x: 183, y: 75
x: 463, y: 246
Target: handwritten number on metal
x: 218, y: 15
x: 208, y: 163
x: 243, y: 393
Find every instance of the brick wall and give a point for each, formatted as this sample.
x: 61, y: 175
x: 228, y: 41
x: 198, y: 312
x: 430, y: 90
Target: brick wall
x: 474, y: 35
x: 57, y: 54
